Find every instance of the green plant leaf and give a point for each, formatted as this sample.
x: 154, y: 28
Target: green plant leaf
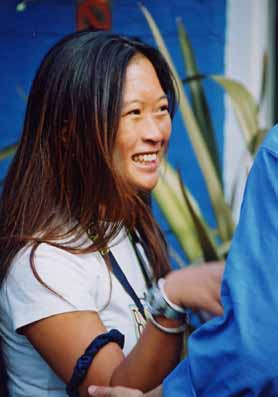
x: 199, y: 102
x: 263, y: 80
x: 7, y: 151
x: 168, y: 195
x: 222, y: 212
x: 244, y: 105
x: 209, y: 248
x: 257, y: 139
x: 223, y: 249
x: 184, y: 217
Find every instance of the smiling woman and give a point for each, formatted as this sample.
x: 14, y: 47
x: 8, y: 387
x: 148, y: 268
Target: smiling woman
x: 79, y: 247
x: 144, y: 127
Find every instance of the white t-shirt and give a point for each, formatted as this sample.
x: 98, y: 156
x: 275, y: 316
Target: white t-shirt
x: 83, y: 280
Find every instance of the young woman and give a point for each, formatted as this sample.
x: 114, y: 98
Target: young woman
x: 79, y: 245
x: 236, y: 354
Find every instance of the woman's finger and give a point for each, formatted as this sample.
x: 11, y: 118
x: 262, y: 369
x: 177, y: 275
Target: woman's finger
x: 103, y: 391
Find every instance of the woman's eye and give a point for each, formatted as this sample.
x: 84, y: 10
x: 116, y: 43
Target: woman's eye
x: 135, y: 112
x: 164, y: 108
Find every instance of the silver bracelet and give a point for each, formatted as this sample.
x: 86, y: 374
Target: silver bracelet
x: 158, y: 304
x: 175, y: 307
x: 167, y: 330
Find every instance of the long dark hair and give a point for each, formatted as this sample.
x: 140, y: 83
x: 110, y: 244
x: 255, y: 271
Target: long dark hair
x: 62, y: 178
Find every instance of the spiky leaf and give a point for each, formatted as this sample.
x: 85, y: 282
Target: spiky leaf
x: 244, y: 105
x: 199, y: 102
x: 7, y: 151
x: 222, y: 212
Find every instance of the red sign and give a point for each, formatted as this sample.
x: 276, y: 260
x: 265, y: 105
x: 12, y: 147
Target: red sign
x: 93, y: 14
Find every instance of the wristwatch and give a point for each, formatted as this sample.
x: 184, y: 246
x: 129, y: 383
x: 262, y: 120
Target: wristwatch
x: 158, y: 304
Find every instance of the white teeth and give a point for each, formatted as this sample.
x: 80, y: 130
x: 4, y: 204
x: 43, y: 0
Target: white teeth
x: 145, y: 158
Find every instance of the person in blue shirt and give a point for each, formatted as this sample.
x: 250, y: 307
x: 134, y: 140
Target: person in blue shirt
x: 236, y: 354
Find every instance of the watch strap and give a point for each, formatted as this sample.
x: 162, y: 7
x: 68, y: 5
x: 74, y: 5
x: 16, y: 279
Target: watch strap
x: 159, y: 304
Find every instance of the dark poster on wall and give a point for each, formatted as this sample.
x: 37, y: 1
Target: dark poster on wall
x: 93, y: 14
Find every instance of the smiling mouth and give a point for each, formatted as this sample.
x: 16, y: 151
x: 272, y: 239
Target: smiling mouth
x: 145, y: 158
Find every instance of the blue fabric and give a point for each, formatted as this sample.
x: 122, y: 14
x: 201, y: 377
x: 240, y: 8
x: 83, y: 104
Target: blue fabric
x: 84, y: 362
x: 236, y: 355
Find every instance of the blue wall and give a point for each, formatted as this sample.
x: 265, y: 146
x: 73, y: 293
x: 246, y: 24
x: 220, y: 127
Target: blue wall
x: 24, y: 39
x: 26, y: 36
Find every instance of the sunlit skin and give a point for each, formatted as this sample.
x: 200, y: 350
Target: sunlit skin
x: 145, y: 126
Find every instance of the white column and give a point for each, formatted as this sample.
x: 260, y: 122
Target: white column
x: 246, y: 41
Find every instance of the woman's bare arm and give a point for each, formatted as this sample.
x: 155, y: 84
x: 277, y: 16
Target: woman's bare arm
x: 62, y: 339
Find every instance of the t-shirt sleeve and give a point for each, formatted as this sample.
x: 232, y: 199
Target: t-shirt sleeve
x: 236, y: 354
x: 72, y: 281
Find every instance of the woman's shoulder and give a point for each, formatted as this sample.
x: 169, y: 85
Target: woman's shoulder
x: 53, y: 261
x: 57, y: 281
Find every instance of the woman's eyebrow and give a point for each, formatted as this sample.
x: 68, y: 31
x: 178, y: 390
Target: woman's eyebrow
x: 164, y: 96
x: 126, y: 103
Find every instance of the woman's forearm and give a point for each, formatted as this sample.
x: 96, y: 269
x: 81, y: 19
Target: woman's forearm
x: 153, y: 357
x: 157, y: 352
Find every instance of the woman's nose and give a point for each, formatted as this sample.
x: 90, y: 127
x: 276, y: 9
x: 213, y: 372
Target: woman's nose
x: 152, y: 130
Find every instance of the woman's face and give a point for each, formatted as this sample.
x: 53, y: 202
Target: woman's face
x: 145, y: 126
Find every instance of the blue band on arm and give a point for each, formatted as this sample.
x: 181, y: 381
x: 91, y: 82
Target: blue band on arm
x: 84, y: 362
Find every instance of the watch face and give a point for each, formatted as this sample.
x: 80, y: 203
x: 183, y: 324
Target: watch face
x: 158, y: 306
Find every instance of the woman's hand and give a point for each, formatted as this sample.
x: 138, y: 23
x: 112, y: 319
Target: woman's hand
x: 118, y: 391
x: 197, y: 287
